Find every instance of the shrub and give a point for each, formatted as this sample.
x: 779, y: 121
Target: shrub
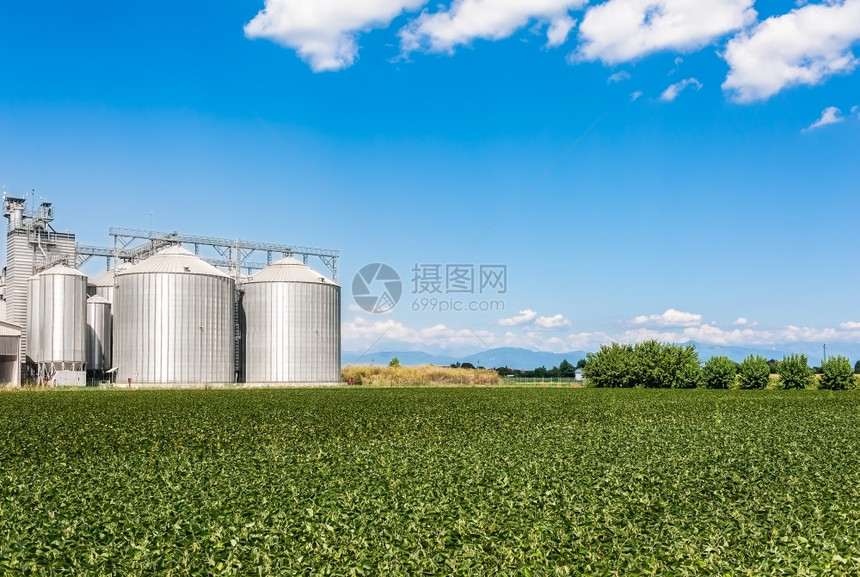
x: 648, y: 364
x: 794, y: 372
x: 678, y: 367
x: 645, y: 365
x: 719, y: 373
x: 836, y: 373
x: 753, y: 372
x: 611, y: 366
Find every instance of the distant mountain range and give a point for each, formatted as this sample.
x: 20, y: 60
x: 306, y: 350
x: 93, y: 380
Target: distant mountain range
x: 512, y: 357
x: 520, y: 358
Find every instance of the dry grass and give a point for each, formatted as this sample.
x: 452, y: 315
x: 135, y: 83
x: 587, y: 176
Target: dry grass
x: 378, y: 376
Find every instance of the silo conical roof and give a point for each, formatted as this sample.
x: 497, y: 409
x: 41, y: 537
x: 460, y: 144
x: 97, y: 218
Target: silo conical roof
x: 173, y: 259
x: 60, y: 269
x: 107, y: 278
x: 288, y: 269
x: 96, y: 299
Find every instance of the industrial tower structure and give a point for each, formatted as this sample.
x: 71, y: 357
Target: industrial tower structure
x: 32, y: 245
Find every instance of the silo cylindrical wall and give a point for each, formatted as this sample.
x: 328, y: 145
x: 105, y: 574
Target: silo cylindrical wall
x: 292, y: 332
x: 99, y: 334
x: 174, y: 328
x: 57, y: 317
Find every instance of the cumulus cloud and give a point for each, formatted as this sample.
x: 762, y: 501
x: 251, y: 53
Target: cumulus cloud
x: 362, y: 334
x: 618, y: 77
x: 805, y: 46
x: 466, y: 20
x: 741, y: 321
x: 622, y: 30
x: 554, y: 322
x: 830, y: 115
x: 520, y: 318
x: 558, y: 31
x: 634, y: 96
x: 672, y: 92
x: 671, y: 318
x: 324, y: 32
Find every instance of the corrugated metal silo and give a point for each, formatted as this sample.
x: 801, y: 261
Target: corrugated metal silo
x: 99, y: 334
x: 57, y: 313
x: 173, y: 321
x: 292, y: 325
x: 104, y: 285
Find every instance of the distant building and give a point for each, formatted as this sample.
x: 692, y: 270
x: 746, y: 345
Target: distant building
x: 10, y: 354
x: 577, y: 375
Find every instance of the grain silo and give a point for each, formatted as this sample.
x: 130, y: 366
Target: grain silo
x: 98, y: 336
x: 292, y: 325
x: 173, y: 321
x: 104, y: 285
x: 56, y: 323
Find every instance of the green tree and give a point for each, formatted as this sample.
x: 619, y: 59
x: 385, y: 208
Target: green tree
x: 504, y: 371
x: 645, y: 366
x: 648, y: 364
x: 753, y: 372
x: 395, y: 362
x: 566, y: 370
x: 774, y: 366
x: 857, y: 368
x: 611, y: 366
x: 836, y: 374
x: 719, y: 373
x: 794, y: 372
x: 580, y: 364
x: 678, y: 366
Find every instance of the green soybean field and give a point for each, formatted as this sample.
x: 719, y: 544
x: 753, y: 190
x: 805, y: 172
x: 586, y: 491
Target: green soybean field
x: 435, y: 481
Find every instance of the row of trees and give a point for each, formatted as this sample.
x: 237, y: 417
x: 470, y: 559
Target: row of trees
x: 652, y: 364
x: 565, y: 370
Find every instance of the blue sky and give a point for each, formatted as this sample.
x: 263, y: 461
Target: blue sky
x: 664, y: 169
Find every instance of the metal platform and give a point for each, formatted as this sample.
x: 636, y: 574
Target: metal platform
x: 233, y: 255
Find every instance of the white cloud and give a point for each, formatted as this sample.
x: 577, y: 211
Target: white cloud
x: 554, y: 322
x: 805, y: 46
x: 361, y: 334
x: 634, y: 96
x: 672, y: 92
x: 558, y: 31
x: 855, y: 110
x: 618, y: 77
x: 741, y: 321
x: 466, y: 20
x: 830, y: 115
x: 520, y: 318
x: 671, y: 318
x: 622, y: 30
x: 324, y: 32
